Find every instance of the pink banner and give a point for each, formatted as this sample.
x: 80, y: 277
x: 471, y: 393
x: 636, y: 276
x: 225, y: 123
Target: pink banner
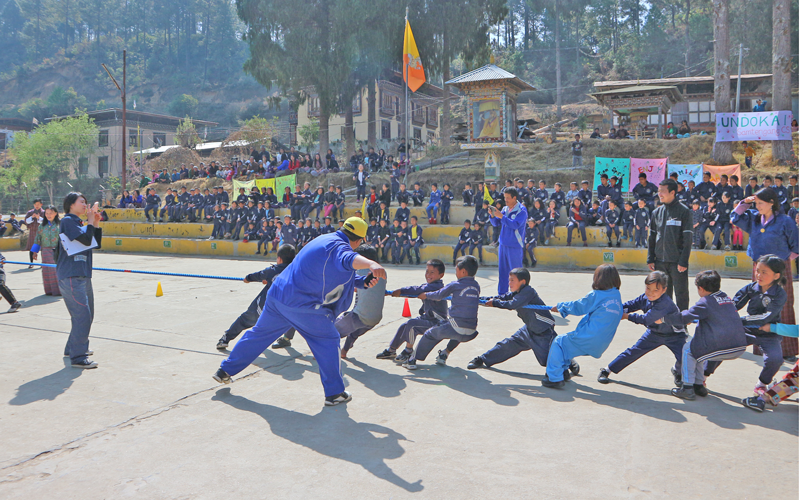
x: 716, y: 171
x: 654, y: 168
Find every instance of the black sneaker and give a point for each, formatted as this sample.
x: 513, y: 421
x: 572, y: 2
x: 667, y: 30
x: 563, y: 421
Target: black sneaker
x: 441, y: 359
x: 222, y: 344
x: 700, y: 390
x: 411, y: 364
x: 553, y: 385
x: 15, y: 307
x: 676, y: 377
x: 282, y: 343
x: 603, y: 377
x: 338, y: 399
x: 84, y: 363
x: 222, y: 377
x: 402, y: 357
x: 754, y: 403
x: 476, y: 363
x: 685, y: 392
x: 386, y: 354
x: 574, y: 368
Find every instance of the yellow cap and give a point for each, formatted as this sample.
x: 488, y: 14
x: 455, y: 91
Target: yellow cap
x: 357, y: 226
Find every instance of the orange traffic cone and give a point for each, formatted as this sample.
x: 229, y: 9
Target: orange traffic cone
x: 406, y: 310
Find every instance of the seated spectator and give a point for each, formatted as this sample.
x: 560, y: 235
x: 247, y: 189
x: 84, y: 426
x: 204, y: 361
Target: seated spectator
x: 760, y: 106
x: 612, y: 134
x: 622, y: 133
x: 126, y: 200
x: 794, y: 126
x: 684, y: 131
x: 596, y: 134
x: 671, y: 132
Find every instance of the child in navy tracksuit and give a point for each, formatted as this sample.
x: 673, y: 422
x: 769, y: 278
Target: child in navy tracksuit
x: 719, y: 334
x: 360, y: 177
x: 462, y: 324
x: 431, y: 313
x: 552, y: 220
x: 655, y: 304
x: 628, y: 221
x: 641, y: 222
x: 463, y: 241
x: 531, y: 238
x: 764, y: 299
x: 476, y: 240
x: 577, y: 220
x: 697, y: 221
x: 612, y: 221
x: 447, y: 196
x: 249, y: 318
x: 414, y: 240
x: 536, y: 334
x: 722, y: 223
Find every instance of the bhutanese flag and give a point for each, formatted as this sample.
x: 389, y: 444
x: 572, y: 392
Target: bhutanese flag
x: 364, y: 210
x: 413, y: 74
x: 487, y: 196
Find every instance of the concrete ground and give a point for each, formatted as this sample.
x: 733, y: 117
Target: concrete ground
x: 151, y: 423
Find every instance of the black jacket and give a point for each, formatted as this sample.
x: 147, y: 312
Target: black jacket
x: 670, y: 234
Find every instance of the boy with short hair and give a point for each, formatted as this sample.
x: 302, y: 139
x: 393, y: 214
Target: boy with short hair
x: 391, y: 244
x: 531, y: 237
x: 628, y: 221
x: 749, y: 152
x: 431, y: 313
x: 476, y: 240
x: 585, y: 194
x: 612, y: 222
x: 367, y: 310
x: 537, y: 332
x: 288, y: 231
x: 417, y: 195
x: 697, y: 221
x: 558, y: 196
x: 338, y: 209
x: 722, y: 222
x: 447, y: 197
x: 572, y: 193
x: 384, y: 236
x: 248, y: 319
x: 414, y: 240
x: 462, y: 324
x: 463, y: 241
x: 719, y: 334
x: 542, y: 193
x: 401, y: 243
x: 467, y: 194
x: 655, y: 304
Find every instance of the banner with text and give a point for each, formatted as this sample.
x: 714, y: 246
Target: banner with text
x: 686, y: 173
x: 763, y: 126
x: 654, y: 168
x: 716, y: 171
x: 620, y: 167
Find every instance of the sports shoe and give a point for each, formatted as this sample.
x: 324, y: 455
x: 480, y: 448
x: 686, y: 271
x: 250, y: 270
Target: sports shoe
x: 222, y: 377
x: 386, y: 354
x: 574, y: 368
x: 754, y: 403
x: 222, y: 344
x: 338, y: 399
x: 343, y: 354
x: 700, y: 390
x: 281, y: 343
x: 684, y: 392
x: 603, y: 377
x: 567, y: 376
x: 15, y: 307
x: 84, y: 363
x: 476, y: 363
x: 410, y: 364
x: 676, y: 377
x: 553, y: 385
x: 727, y: 248
x: 402, y: 357
x: 88, y: 353
x: 441, y: 359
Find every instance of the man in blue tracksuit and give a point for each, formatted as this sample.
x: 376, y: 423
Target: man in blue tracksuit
x: 511, y: 221
x: 308, y: 296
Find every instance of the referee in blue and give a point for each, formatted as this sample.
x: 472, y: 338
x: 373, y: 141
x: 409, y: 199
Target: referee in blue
x: 308, y: 296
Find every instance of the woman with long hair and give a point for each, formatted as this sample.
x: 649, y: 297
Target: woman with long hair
x: 47, y: 239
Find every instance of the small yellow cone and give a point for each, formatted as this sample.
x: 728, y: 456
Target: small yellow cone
x: 159, y: 291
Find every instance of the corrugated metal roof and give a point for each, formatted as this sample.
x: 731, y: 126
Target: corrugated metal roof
x: 488, y: 73
x: 636, y: 88
x: 675, y: 81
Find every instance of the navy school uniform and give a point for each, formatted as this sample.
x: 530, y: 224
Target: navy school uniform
x: 289, y: 234
x: 431, y: 314
x: 152, y: 201
x: 183, y: 202
x: 603, y: 191
x: 612, y: 218
x: 705, y: 190
x: 391, y: 243
x: 737, y: 193
x: 531, y: 237
x: 414, y: 242
x: 467, y: 195
x: 221, y: 198
x: 434, y: 204
x: 684, y: 197
x: 403, y: 196
x: 577, y: 219
x: 243, y: 198
x: 783, y: 197
x: 209, y: 201
x: 628, y: 223
x: 656, y: 335
x: 594, y: 216
x: 402, y: 214
x: 720, y: 190
x: 536, y: 334
x: 641, y: 220
x: 264, y: 235
x: 615, y: 192
x: 708, y: 216
x: 447, y: 196
x: 417, y: 196
x: 552, y: 222
x: 722, y: 223
x: 241, y: 222
x: 251, y: 234
x: 476, y: 241
x: 372, y: 234
x: 462, y: 322
x: 220, y: 223
x: 648, y: 192
x: 197, y: 207
x: 338, y: 210
x: 462, y: 242
x: 482, y: 216
x: 169, y: 204
x: 585, y: 196
x: 326, y: 229
x: 542, y: 194
x: 560, y: 198
x: 384, y: 241
x: 400, y: 246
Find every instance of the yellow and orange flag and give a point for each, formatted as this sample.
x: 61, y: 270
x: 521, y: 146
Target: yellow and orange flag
x: 413, y: 74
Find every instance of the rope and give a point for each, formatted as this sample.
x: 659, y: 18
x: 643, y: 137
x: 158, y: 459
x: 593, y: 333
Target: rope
x: 483, y: 301
x: 135, y: 271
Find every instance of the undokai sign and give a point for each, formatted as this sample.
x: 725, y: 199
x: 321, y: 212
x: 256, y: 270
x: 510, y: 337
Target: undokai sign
x: 764, y: 126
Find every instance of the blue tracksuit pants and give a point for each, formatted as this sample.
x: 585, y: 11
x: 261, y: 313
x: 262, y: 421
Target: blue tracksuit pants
x: 522, y: 340
x: 315, y: 325
x: 508, y: 258
x: 562, y: 351
x: 649, y: 342
x: 443, y: 331
x: 460, y: 247
x: 431, y: 210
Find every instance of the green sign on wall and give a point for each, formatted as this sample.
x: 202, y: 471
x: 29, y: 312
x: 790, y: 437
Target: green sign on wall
x: 213, y: 246
x: 118, y: 243
x: 167, y: 244
x: 608, y: 256
x: 731, y: 261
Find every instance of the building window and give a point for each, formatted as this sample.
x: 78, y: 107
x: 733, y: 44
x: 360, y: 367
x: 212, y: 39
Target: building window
x: 417, y: 113
x: 386, y: 130
x: 159, y: 139
x: 433, y: 116
x: 2, y: 141
x: 83, y: 166
x: 417, y: 135
x: 431, y: 137
x: 102, y: 139
x: 357, y: 103
x: 389, y: 103
x: 102, y: 166
x: 133, y: 138
x: 342, y: 134
x: 312, y: 105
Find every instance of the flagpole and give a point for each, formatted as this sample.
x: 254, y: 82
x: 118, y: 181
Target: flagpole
x: 407, y: 121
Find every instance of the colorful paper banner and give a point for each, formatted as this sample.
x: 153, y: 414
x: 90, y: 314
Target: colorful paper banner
x: 763, y: 126
x: 613, y: 166
x: 654, y: 168
x: 284, y: 181
x: 687, y: 172
x: 716, y: 171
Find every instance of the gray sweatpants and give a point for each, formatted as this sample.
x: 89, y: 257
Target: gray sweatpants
x: 79, y: 299
x: 349, y: 325
x: 433, y: 336
x: 521, y: 341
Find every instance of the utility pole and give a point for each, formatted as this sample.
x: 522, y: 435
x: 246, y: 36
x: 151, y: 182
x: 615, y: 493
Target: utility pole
x: 123, y: 92
x: 739, y: 80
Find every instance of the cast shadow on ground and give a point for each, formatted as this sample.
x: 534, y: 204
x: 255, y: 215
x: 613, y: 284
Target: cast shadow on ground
x: 382, y: 383
x: 332, y: 433
x: 48, y: 387
x: 41, y: 300
x: 463, y: 381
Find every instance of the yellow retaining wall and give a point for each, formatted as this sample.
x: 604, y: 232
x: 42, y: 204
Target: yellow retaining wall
x: 561, y: 257
x: 10, y: 244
